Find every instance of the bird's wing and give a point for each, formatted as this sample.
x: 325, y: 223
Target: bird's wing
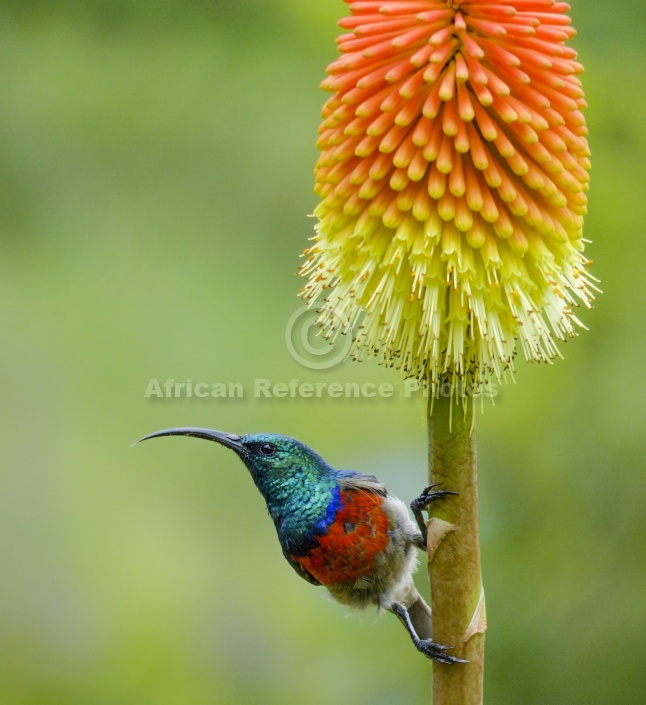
x: 305, y: 574
x: 351, y: 480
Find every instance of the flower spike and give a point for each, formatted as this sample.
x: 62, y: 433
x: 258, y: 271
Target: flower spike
x: 453, y: 176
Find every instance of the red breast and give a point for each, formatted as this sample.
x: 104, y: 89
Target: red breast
x: 348, y: 550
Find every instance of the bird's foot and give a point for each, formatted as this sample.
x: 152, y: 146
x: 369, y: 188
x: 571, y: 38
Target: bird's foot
x: 421, y: 503
x: 437, y: 652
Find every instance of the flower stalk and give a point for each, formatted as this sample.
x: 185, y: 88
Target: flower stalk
x: 457, y: 595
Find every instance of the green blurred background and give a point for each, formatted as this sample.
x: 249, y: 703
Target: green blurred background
x: 155, y: 180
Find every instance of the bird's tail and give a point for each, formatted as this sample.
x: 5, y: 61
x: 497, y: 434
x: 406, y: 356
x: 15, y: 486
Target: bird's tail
x: 420, y: 616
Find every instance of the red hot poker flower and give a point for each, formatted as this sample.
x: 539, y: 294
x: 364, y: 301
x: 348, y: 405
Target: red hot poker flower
x: 453, y: 177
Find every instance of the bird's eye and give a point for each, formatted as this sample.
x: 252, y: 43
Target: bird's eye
x: 267, y: 448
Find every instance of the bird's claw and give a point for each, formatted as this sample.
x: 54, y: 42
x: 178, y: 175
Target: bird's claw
x: 437, y: 652
x: 427, y: 496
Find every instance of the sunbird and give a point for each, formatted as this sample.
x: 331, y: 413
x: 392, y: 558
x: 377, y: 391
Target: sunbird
x: 340, y: 528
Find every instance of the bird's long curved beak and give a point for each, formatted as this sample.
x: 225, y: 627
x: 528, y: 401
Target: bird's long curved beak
x: 229, y: 440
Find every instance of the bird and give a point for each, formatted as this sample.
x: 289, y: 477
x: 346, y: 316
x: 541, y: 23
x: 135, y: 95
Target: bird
x: 341, y: 529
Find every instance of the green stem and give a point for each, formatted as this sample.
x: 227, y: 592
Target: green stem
x: 454, y: 568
